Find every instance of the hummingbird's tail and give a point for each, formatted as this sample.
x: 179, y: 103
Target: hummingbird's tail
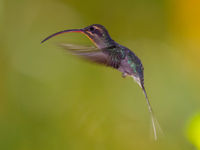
x: 153, y: 118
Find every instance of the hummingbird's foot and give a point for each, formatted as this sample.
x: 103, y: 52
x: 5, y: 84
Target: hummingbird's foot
x: 124, y: 75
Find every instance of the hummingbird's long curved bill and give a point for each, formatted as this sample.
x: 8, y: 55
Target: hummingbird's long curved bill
x: 64, y: 31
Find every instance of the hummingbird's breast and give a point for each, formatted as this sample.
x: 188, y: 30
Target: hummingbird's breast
x: 131, y: 65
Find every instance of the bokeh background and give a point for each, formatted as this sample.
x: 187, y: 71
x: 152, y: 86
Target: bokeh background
x: 50, y: 100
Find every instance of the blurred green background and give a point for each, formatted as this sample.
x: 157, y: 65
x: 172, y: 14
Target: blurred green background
x: 50, y: 100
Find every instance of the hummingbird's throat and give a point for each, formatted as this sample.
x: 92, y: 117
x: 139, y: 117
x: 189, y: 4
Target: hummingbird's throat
x: 90, y: 36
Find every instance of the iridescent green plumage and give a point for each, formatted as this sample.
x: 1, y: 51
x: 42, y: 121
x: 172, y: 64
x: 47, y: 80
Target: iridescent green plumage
x: 108, y: 52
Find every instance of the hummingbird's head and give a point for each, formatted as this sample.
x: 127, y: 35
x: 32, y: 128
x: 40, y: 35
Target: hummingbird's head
x: 99, y: 35
x: 96, y: 33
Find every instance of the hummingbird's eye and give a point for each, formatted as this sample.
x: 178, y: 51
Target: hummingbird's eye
x: 91, y: 29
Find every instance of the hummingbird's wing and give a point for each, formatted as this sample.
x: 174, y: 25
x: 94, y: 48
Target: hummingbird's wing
x: 90, y: 53
x: 78, y: 47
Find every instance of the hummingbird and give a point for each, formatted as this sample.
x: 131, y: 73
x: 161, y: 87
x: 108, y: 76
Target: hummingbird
x: 109, y: 53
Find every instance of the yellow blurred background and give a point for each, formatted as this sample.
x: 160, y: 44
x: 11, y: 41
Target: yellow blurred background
x: 50, y: 100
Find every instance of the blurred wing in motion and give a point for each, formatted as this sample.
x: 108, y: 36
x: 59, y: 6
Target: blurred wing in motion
x: 90, y: 53
x: 78, y: 47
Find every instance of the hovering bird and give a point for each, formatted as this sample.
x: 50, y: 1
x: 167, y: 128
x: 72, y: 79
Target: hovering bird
x: 109, y: 53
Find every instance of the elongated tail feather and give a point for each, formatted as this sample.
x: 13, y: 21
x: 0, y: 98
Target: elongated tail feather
x: 153, y: 119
